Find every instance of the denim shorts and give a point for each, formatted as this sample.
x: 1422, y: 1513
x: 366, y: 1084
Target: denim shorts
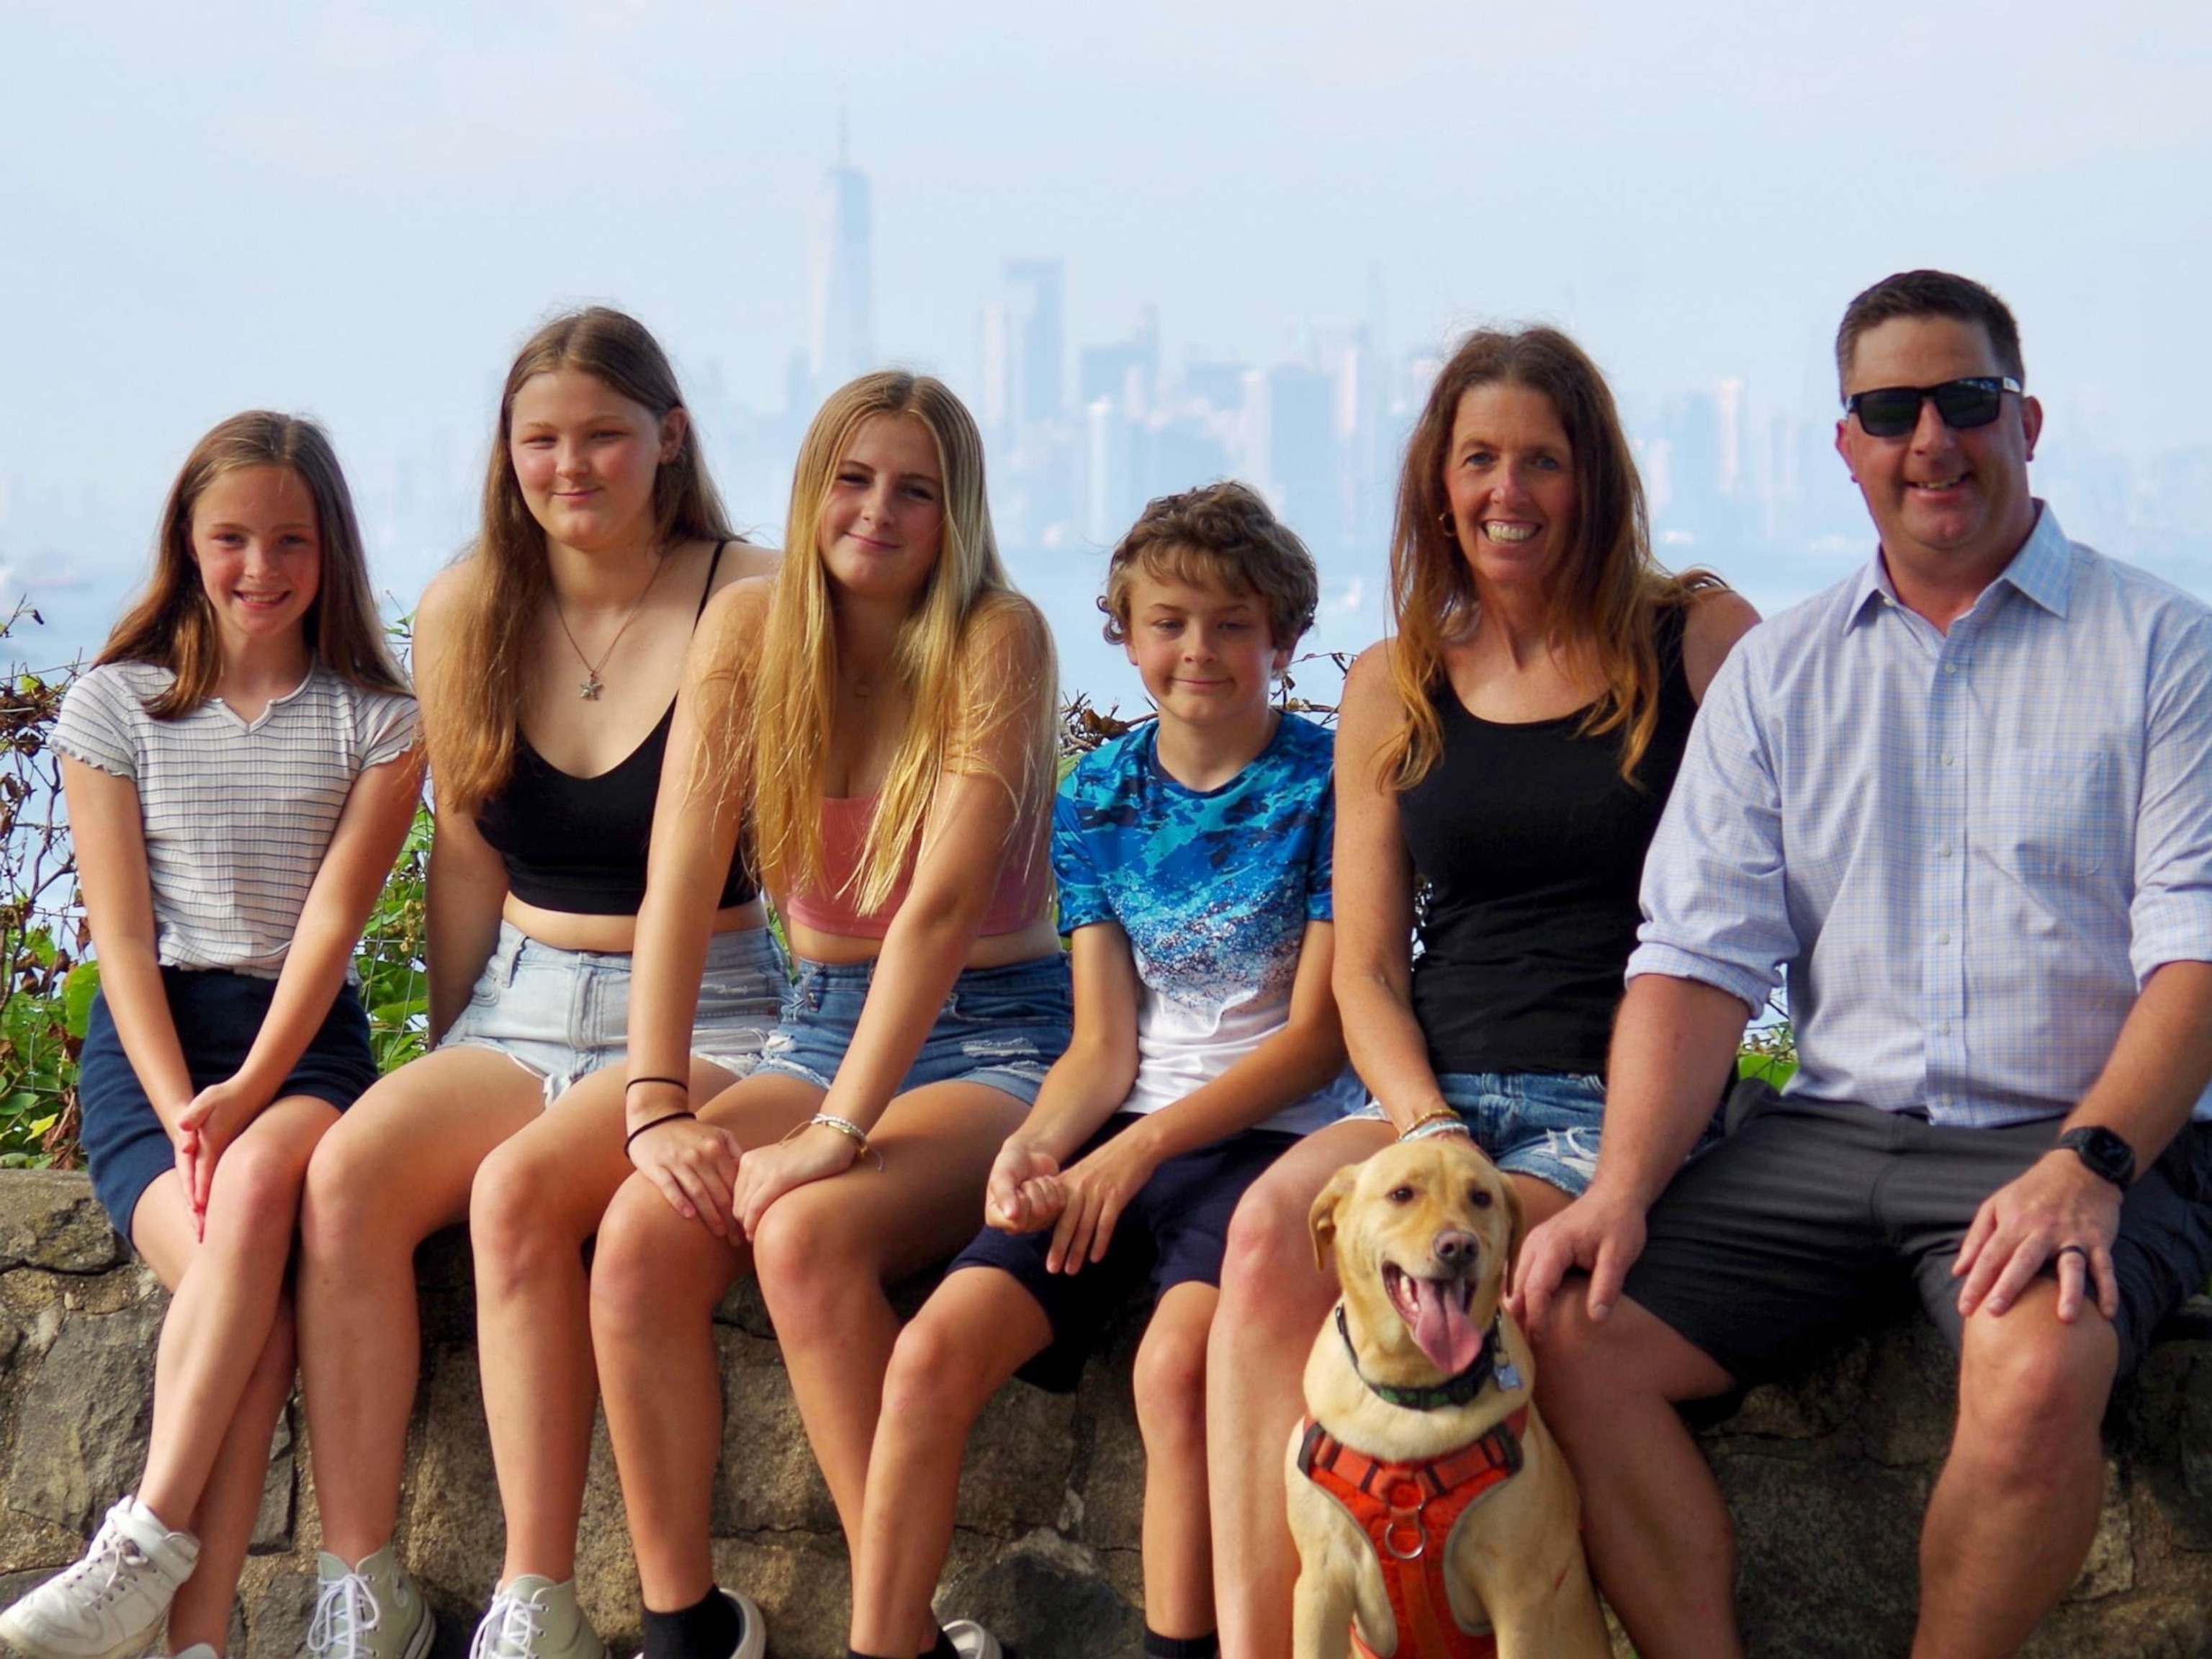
x: 999, y: 1026
x: 1543, y: 1124
x: 562, y: 1015
x: 217, y: 1014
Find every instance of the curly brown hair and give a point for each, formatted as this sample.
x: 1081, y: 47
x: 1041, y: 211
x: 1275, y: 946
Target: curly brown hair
x: 1223, y: 535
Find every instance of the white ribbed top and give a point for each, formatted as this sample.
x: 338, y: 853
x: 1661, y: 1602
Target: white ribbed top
x: 237, y: 814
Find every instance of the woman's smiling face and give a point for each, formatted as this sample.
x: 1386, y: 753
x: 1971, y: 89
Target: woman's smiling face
x: 1509, y: 477
x: 882, y: 521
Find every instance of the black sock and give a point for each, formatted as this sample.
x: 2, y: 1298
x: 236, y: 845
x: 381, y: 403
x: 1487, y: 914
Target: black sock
x: 1157, y: 1646
x: 944, y: 1649
x: 711, y: 1630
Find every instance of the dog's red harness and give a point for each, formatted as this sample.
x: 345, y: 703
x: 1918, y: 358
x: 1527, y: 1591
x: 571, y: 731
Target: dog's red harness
x: 1408, y: 1510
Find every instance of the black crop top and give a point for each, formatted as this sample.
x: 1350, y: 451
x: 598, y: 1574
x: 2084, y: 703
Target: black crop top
x: 1533, y: 849
x: 579, y: 845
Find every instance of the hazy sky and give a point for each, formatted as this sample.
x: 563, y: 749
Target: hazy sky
x: 360, y: 209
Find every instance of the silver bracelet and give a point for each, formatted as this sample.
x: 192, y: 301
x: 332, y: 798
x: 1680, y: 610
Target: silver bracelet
x: 1428, y: 1131
x: 845, y: 1127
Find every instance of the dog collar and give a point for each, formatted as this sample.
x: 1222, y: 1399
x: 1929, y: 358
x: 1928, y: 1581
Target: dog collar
x: 1452, y: 1390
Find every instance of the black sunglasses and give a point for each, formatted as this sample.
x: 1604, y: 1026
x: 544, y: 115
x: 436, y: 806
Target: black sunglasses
x: 1892, y: 411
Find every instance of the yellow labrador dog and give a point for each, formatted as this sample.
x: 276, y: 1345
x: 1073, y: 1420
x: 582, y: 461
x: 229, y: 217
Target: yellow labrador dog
x: 1427, y: 1500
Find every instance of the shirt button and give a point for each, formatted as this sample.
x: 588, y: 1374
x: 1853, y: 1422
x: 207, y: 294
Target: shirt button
x: 1942, y: 938
x: 1944, y: 1030
x: 1950, y: 760
x: 1950, y: 668
x: 1943, y: 851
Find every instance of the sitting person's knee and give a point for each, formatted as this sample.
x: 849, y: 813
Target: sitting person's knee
x: 2029, y: 1379
x: 931, y: 1377
x: 1168, y: 1381
x: 1268, y: 1240
x: 508, y: 1223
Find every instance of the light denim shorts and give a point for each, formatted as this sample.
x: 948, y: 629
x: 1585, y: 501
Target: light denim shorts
x: 1543, y: 1124
x: 562, y: 1014
x: 999, y: 1026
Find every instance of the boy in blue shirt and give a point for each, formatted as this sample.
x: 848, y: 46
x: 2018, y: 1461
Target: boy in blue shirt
x: 1192, y: 858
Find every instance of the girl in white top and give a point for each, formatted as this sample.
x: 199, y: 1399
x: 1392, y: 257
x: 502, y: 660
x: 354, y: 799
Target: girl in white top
x: 240, y: 767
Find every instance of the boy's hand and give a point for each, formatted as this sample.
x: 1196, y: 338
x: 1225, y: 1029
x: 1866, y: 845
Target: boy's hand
x: 1096, y: 1191
x: 1022, y: 1193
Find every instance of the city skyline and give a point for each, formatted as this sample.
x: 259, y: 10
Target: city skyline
x: 1189, y: 246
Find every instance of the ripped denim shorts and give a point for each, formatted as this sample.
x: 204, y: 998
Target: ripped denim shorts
x: 1003, y: 1027
x: 1543, y: 1124
x: 562, y: 1015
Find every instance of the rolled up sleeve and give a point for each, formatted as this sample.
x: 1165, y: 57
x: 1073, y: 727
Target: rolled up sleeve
x: 2170, y: 918
x: 1713, y: 894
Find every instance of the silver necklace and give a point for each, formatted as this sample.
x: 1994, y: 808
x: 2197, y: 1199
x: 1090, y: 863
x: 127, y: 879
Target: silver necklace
x: 591, y: 684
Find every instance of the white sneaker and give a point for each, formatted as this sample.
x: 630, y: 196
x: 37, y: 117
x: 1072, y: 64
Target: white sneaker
x: 971, y: 1641
x: 534, y: 1618
x: 109, y: 1602
x: 752, y: 1639
x: 372, y: 1611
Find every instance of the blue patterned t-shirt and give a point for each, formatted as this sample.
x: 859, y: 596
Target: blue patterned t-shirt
x: 1214, y: 891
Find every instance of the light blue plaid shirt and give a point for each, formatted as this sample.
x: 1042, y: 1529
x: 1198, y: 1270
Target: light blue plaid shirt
x: 1969, y: 850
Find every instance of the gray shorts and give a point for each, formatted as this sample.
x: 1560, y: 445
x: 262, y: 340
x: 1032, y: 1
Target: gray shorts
x: 1811, y: 1216
x: 561, y: 1015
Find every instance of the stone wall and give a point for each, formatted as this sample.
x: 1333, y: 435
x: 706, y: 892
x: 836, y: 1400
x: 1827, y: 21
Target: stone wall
x: 1827, y: 1478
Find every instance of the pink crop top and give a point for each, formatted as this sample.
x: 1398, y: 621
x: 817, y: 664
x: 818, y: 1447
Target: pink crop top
x: 1018, y: 900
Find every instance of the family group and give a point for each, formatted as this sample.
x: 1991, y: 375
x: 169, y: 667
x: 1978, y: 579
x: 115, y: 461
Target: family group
x: 1070, y: 1032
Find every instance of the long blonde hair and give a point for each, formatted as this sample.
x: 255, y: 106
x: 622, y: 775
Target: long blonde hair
x: 966, y: 608
x: 472, y: 705
x: 1605, y: 605
x: 172, y: 625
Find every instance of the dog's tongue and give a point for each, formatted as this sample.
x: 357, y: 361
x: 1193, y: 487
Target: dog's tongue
x: 1441, y: 1326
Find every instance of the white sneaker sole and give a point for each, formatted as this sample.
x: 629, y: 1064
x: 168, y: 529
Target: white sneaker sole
x: 14, y: 1634
x: 984, y: 1645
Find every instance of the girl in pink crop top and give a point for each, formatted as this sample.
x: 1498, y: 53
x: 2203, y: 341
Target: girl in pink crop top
x: 895, y: 750
x: 1022, y: 888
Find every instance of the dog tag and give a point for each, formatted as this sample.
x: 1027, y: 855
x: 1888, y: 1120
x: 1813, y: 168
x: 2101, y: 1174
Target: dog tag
x: 1509, y: 1377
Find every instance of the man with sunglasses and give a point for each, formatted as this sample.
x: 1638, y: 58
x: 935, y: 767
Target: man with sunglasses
x: 1964, y: 798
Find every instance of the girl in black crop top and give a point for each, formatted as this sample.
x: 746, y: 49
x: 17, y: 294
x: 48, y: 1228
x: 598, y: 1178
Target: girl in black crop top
x: 1503, y: 760
x: 558, y: 671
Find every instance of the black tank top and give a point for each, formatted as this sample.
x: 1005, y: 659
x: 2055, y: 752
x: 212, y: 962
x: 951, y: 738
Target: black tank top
x: 1532, y: 845
x: 579, y: 845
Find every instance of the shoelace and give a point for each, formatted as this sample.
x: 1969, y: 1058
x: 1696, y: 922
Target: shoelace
x: 510, y: 1630
x: 113, y: 1551
x: 345, y: 1611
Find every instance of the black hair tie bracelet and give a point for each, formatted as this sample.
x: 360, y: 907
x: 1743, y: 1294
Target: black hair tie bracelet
x: 665, y: 1118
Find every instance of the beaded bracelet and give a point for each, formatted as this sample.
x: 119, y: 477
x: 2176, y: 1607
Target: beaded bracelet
x: 1441, y: 1121
x: 845, y: 1127
x: 665, y: 1118
x: 672, y: 1082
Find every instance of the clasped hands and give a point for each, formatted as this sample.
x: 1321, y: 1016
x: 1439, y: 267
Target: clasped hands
x: 708, y: 1177
x: 1028, y: 1191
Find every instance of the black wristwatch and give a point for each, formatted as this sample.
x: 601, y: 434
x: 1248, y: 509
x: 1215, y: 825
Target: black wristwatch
x: 2103, y: 1152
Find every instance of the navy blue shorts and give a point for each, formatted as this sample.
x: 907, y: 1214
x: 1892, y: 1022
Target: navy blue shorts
x: 217, y: 1015
x: 1177, y: 1227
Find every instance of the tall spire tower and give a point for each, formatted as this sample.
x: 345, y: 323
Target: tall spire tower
x: 840, y: 305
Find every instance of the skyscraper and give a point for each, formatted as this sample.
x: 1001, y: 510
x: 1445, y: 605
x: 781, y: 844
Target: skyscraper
x: 840, y: 339
x: 1035, y: 340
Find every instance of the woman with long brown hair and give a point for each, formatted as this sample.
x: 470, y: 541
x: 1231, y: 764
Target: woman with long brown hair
x: 552, y: 659
x: 1505, y: 754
